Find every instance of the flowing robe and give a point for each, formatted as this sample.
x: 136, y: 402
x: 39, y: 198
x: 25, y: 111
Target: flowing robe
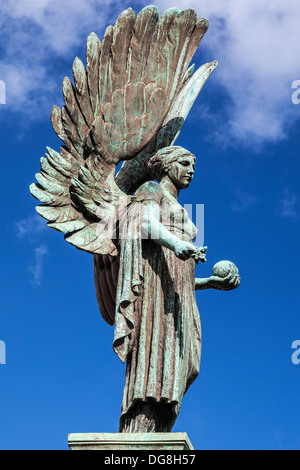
x: 157, y: 324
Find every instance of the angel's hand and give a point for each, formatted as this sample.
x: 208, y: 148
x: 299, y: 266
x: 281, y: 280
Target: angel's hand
x: 232, y: 281
x: 184, y: 250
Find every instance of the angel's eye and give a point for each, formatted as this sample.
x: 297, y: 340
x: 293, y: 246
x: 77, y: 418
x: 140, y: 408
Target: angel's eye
x: 185, y: 163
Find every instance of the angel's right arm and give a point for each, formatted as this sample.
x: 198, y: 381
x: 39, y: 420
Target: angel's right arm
x: 152, y: 228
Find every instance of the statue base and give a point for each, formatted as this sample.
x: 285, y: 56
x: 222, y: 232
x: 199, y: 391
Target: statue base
x: 162, y: 441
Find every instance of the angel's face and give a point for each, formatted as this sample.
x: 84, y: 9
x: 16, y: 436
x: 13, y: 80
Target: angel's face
x: 181, y: 171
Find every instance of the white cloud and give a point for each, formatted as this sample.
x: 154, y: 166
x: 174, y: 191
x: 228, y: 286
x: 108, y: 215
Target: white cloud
x: 38, y: 262
x: 58, y: 24
x: 30, y: 226
x: 244, y: 201
x: 289, y: 205
x: 256, y: 42
x: 34, y: 35
x: 257, y: 45
x: 29, y: 229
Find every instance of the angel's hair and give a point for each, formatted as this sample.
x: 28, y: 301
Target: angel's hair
x: 158, y: 165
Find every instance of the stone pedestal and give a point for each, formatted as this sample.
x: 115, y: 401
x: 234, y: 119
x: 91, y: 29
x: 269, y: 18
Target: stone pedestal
x: 130, y: 441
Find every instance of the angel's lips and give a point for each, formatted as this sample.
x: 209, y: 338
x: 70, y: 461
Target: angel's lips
x: 189, y: 177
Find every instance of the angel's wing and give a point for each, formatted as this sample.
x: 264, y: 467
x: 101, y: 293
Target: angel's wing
x: 131, y: 99
x: 168, y: 132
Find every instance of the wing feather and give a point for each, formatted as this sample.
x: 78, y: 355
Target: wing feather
x: 63, y: 162
x: 144, y: 28
x: 93, y: 52
x: 50, y: 172
x: 71, y: 131
x: 122, y: 34
x: 65, y: 214
x: 105, y: 87
x: 44, y: 196
x: 77, y: 124
x: 180, y: 35
x: 52, y: 186
x: 69, y: 226
x: 158, y: 68
x: 56, y: 119
x: 88, y: 239
x: 199, y: 31
x: 82, y: 92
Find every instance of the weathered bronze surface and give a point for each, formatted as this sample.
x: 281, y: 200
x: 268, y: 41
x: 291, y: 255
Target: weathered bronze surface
x: 129, y: 105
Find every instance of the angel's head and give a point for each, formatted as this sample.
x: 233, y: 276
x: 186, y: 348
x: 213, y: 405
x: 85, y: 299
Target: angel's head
x: 175, y: 162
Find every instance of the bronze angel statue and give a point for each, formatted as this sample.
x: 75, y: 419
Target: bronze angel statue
x: 128, y: 105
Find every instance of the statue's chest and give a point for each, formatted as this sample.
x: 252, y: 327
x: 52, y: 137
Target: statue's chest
x: 176, y: 219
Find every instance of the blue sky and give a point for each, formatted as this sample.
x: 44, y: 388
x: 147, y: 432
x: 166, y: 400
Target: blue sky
x: 61, y: 374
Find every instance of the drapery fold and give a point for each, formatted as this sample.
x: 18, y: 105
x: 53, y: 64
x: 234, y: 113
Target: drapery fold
x: 129, y: 282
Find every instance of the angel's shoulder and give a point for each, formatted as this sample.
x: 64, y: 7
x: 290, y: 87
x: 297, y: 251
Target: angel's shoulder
x: 149, y: 191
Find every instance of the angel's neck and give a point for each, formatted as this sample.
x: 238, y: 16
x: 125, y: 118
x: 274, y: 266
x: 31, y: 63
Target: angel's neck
x: 169, y: 187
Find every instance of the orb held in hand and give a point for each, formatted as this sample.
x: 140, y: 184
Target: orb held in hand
x: 224, y: 268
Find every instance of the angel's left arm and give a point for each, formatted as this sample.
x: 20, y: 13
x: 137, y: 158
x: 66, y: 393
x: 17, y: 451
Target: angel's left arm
x: 202, y: 283
x: 229, y: 282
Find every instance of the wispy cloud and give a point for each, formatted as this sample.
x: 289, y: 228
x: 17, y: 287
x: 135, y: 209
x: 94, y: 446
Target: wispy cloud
x: 36, y: 268
x: 256, y: 44
x: 289, y: 205
x: 255, y: 41
x: 34, y: 36
x: 30, y: 226
x: 29, y: 229
x: 243, y: 201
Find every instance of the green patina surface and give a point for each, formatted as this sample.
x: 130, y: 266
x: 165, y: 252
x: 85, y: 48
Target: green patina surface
x: 129, y: 105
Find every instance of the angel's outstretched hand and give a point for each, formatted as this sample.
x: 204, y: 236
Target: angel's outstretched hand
x: 232, y: 281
